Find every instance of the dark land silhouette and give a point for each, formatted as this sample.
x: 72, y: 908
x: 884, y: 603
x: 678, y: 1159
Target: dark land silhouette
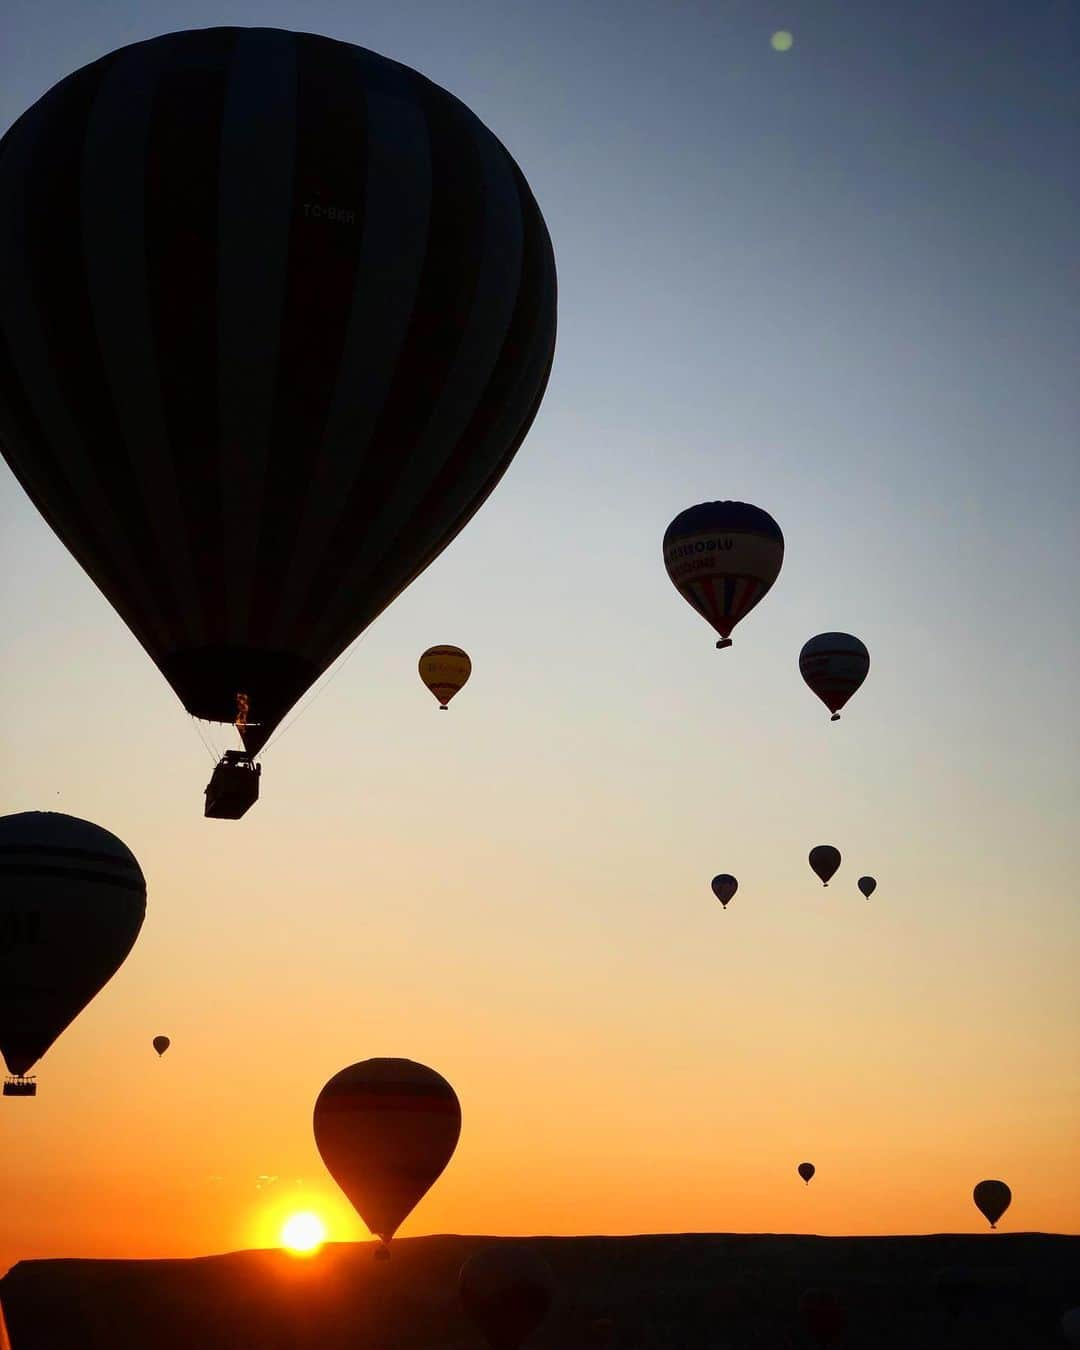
x: 708, y: 1291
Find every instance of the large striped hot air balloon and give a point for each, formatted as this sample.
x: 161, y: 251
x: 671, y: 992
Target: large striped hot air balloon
x: 834, y: 665
x: 444, y: 671
x: 722, y: 558
x: 276, y: 313
x: 72, y: 901
x: 386, y: 1128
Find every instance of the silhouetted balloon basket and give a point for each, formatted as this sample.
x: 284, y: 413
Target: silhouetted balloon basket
x: 233, y: 787
x: 724, y: 642
x: 382, y: 1252
x: 20, y: 1086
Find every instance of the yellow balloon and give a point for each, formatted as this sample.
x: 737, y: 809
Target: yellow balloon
x: 444, y: 670
x: 782, y: 41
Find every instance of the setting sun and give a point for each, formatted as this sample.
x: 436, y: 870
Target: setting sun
x: 303, y: 1234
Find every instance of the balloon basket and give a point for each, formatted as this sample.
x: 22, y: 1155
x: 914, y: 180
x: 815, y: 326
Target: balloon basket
x: 835, y: 717
x: 382, y: 1252
x: 19, y: 1086
x: 724, y: 642
x: 233, y: 787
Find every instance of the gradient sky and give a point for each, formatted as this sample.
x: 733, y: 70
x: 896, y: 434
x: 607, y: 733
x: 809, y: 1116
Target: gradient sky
x: 840, y: 282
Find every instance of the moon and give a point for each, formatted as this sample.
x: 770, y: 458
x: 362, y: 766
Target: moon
x: 782, y: 41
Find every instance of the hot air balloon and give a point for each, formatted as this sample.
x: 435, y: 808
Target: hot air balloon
x: 506, y: 1291
x: 806, y: 1171
x: 723, y: 557
x: 867, y: 885
x: 824, y: 860
x: 276, y: 313
x: 1070, y: 1327
x: 834, y: 665
x: 824, y: 1315
x: 724, y: 887
x: 72, y: 901
x: 161, y: 1044
x: 444, y: 670
x: 992, y: 1199
x: 386, y: 1128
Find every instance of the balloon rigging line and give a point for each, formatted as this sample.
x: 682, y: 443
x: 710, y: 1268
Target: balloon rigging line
x: 315, y: 693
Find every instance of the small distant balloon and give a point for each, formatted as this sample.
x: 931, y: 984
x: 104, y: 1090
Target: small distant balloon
x: 806, y: 1171
x: 824, y: 859
x: 868, y: 886
x: 724, y: 887
x: 992, y: 1199
x: 161, y: 1044
x: 1070, y: 1326
x: 444, y: 670
x: 823, y: 1315
x: 506, y: 1291
x: 833, y: 666
x: 782, y: 41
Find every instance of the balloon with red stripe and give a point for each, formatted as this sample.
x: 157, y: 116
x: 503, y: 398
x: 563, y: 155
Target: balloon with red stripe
x: 445, y: 670
x: 723, y: 558
x: 834, y: 665
x: 386, y: 1128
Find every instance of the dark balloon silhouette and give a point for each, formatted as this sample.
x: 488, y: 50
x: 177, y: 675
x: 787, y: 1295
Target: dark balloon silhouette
x: 806, y: 1171
x: 724, y: 887
x: 72, y: 902
x: 506, y: 1291
x: 277, y: 313
x: 386, y: 1128
x: 161, y: 1044
x: 824, y: 1315
x: 444, y: 670
x: 834, y: 665
x: 824, y: 860
x: 992, y: 1199
x: 723, y: 558
x: 867, y: 885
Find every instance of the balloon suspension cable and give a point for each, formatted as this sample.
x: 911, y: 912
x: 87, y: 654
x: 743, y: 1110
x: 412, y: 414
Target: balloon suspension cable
x: 206, y: 744
x: 313, y: 694
x: 724, y: 642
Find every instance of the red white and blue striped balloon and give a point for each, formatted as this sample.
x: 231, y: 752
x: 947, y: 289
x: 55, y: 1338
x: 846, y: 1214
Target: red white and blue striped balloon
x: 276, y: 313
x: 723, y: 557
x: 834, y: 665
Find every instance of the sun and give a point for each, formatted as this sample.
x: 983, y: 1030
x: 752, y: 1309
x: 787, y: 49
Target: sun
x: 303, y: 1234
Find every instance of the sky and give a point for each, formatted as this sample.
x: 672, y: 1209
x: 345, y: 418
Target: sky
x: 838, y: 281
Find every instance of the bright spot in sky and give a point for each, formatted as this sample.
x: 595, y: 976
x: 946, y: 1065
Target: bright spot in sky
x: 303, y: 1233
x: 782, y: 41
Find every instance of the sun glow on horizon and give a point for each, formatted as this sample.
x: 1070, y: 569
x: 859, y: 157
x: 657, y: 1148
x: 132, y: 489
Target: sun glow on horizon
x: 303, y: 1234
